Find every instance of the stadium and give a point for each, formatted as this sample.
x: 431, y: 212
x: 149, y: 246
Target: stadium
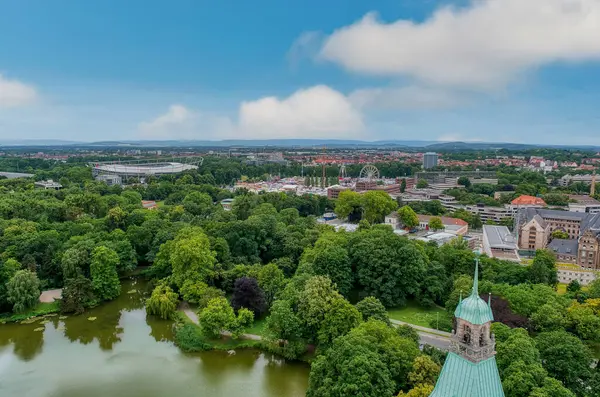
x: 115, y: 170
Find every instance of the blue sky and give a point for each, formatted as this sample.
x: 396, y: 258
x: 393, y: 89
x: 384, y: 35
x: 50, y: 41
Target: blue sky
x: 489, y: 70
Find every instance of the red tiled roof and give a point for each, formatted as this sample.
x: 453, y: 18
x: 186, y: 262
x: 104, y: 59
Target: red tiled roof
x: 445, y: 220
x: 528, y: 200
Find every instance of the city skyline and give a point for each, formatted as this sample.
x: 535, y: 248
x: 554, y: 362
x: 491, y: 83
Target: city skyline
x: 491, y: 71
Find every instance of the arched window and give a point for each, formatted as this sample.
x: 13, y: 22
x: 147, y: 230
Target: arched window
x: 467, y: 334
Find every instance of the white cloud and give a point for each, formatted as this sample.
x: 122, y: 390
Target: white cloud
x: 483, y: 46
x: 318, y: 111
x: 178, y: 119
x: 409, y: 97
x: 14, y: 93
x: 315, y: 112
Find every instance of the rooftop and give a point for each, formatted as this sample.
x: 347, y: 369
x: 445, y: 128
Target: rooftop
x: 529, y: 200
x: 445, y: 220
x: 560, y: 246
x: 499, y: 237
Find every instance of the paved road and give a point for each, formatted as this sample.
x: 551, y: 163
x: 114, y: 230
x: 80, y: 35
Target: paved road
x: 50, y: 295
x: 429, y: 336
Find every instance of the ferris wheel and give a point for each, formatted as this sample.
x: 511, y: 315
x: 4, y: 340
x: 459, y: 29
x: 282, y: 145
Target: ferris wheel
x: 369, y: 172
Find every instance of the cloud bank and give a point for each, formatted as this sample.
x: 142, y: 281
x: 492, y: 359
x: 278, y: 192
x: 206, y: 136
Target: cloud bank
x: 483, y: 46
x: 13, y: 93
x: 315, y: 112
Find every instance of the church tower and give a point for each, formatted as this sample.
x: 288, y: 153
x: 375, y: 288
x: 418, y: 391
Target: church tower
x: 470, y: 369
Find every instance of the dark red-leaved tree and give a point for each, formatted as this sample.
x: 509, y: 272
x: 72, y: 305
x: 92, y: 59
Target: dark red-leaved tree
x: 247, y: 293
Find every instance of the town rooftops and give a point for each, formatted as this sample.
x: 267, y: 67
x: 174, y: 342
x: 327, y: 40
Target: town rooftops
x: 529, y: 200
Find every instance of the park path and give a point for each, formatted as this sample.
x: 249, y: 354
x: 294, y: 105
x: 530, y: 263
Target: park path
x: 51, y: 295
x: 436, y: 332
x: 184, y: 307
x: 429, y: 336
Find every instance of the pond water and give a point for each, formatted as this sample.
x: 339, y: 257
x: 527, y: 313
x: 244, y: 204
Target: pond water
x: 124, y: 353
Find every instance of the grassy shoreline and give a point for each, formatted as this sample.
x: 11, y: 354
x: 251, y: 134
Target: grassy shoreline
x: 42, y: 309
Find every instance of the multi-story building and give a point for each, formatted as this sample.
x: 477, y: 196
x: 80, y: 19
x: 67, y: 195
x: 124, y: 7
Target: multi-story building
x: 430, y: 160
x: 333, y: 192
x: 583, y: 229
x: 499, y: 243
x: 584, y: 204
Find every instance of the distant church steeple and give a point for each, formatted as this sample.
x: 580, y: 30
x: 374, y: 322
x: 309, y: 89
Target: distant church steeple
x: 470, y: 369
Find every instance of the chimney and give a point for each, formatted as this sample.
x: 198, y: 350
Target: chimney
x: 593, y: 188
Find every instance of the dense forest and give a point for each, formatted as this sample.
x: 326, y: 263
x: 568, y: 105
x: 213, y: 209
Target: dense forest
x: 324, y: 294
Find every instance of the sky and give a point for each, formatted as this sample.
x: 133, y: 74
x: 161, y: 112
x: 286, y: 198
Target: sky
x: 468, y: 70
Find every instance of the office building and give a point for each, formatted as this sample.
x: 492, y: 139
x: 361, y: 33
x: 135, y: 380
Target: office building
x: 430, y: 160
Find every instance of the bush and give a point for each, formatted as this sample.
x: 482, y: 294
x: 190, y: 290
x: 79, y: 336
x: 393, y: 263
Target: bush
x: 189, y: 338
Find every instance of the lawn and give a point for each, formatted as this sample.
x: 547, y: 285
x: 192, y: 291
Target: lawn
x: 412, y: 313
x: 258, y: 328
x: 562, y: 288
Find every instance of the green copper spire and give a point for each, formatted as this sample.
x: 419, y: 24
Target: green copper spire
x: 470, y: 368
x: 475, y: 291
x: 474, y: 309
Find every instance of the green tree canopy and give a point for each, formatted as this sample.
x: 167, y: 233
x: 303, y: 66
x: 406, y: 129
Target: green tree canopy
x: 103, y: 268
x: 23, y: 290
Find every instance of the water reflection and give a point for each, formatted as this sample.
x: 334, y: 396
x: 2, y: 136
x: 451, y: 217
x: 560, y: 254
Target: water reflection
x: 124, y: 352
x: 28, y: 343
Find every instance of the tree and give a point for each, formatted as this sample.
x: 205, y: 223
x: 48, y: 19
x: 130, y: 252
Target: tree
x: 549, y: 317
x: 435, y: 223
x: 388, y: 267
x: 408, y: 217
x: 422, y: 184
x: 218, y: 316
x: 517, y: 347
x: 560, y: 234
x: 7, y: 271
x: 315, y: 301
x: 358, y: 371
x: 584, y: 320
x: 349, y: 205
x: 77, y: 294
x: 377, y: 204
x: 283, y: 323
x: 372, y: 308
x: 23, y: 290
x: 199, y: 204
x: 74, y: 261
x: 418, y: 391
x: 594, y: 289
x: 271, y: 280
x: 519, y: 379
x: 565, y: 357
x: 191, y: 257
x: 339, y: 320
x: 330, y: 258
x: 103, y: 268
x: 162, y: 302
x: 371, y: 360
x: 551, y: 388
x: 407, y: 332
x: 543, y: 269
x: 425, y: 371
x: 574, y: 287
x: 464, y: 181
x: 199, y: 293
x: 403, y: 185
x: 247, y: 294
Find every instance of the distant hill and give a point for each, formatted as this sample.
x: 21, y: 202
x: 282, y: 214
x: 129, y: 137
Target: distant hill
x: 290, y: 143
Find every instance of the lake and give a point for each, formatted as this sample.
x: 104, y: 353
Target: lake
x: 124, y: 353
